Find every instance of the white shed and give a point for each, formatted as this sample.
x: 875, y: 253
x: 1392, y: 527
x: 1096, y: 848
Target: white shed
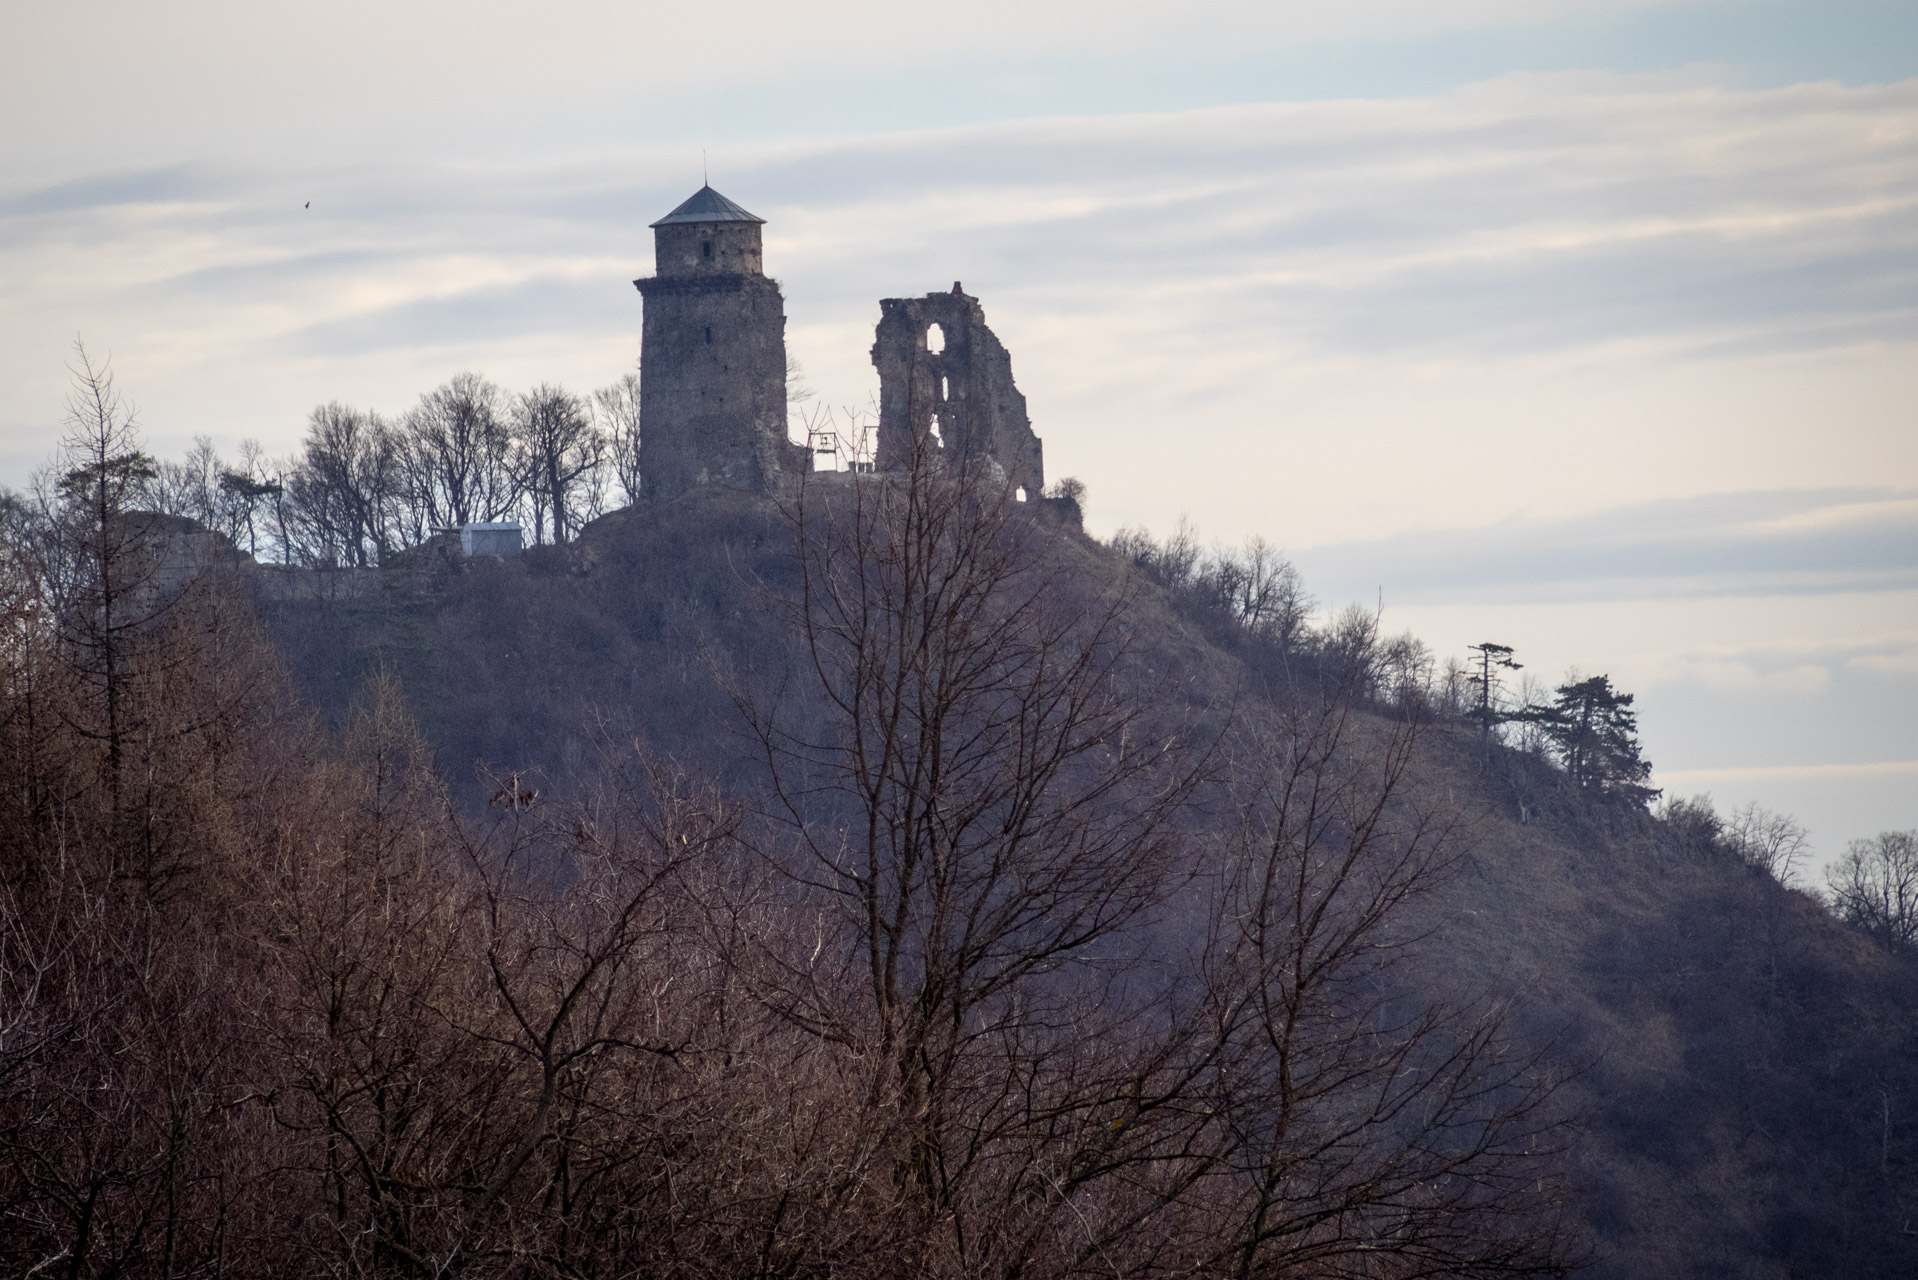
x: 490, y: 538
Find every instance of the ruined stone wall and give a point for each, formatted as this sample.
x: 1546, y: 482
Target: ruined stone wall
x: 964, y: 393
x: 713, y: 366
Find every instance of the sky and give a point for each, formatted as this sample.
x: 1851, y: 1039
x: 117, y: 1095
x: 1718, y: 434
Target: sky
x: 1584, y: 326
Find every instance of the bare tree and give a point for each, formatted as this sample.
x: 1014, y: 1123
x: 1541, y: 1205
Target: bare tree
x: 562, y: 457
x: 1179, y: 556
x: 1449, y: 689
x: 1255, y: 585
x: 346, y: 492
x: 458, y: 452
x: 249, y: 487
x: 1874, y: 887
x: 981, y: 821
x: 191, y: 487
x: 240, y: 502
x: 617, y: 408
x: 136, y: 709
x: 98, y: 560
x: 1362, y: 1131
x: 1273, y: 601
x: 797, y: 392
x: 498, y: 1048
x: 1348, y: 648
x: 979, y: 826
x: 1068, y: 489
x: 1405, y: 672
x: 1775, y: 843
x: 1530, y: 734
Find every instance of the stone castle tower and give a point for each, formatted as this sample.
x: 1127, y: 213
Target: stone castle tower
x: 712, y: 356
x: 712, y: 400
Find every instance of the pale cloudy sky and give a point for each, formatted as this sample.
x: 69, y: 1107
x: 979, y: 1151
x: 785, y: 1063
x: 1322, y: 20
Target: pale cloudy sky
x: 1590, y: 326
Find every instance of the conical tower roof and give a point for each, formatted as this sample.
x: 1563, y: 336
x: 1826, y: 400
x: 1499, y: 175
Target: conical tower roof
x: 707, y: 205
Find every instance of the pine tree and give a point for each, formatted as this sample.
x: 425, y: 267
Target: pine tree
x: 1489, y: 659
x: 1596, y: 733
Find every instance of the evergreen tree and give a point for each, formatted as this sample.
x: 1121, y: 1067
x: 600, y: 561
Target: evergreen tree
x: 1595, y: 732
x: 1489, y: 658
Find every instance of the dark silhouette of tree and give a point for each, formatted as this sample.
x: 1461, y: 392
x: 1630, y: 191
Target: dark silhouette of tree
x: 1775, y: 843
x: 136, y: 705
x: 458, y: 454
x: 1874, y: 887
x: 562, y: 454
x: 985, y: 818
x: 1594, y: 730
x: 1348, y: 648
x: 999, y: 967
x: 1253, y: 585
x: 1492, y: 658
x: 246, y: 491
x: 348, y: 492
x: 1360, y: 1133
x: 98, y: 559
x: 617, y: 408
x: 980, y: 822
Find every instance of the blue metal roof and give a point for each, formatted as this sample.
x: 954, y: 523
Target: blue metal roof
x: 707, y: 205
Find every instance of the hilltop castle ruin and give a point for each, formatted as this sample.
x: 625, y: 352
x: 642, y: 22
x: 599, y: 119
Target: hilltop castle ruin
x: 713, y: 361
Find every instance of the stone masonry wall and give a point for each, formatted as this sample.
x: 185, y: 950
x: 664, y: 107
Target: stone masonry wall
x: 713, y: 366
x: 708, y: 249
x: 965, y: 391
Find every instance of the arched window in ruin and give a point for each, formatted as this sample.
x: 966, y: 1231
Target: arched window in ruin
x: 935, y: 338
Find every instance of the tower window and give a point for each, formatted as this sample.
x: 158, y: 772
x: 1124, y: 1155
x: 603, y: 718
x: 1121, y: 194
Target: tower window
x: 709, y: 333
x: 705, y: 248
x: 935, y: 339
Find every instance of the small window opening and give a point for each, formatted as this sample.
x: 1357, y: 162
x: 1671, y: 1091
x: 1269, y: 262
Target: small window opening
x: 1020, y: 493
x: 945, y: 390
x: 709, y: 333
x: 706, y: 249
x: 935, y: 339
x: 936, y: 437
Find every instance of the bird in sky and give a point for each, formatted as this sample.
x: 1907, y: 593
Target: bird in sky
x: 309, y: 204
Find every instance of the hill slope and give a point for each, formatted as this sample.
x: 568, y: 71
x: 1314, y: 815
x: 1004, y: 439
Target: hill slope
x: 1746, y: 1069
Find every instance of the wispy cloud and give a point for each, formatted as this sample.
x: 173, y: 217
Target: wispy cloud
x: 1791, y: 772
x: 1781, y: 542
x: 1882, y: 667
x: 1423, y: 297
x: 1616, y: 368
x: 361, y: 79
